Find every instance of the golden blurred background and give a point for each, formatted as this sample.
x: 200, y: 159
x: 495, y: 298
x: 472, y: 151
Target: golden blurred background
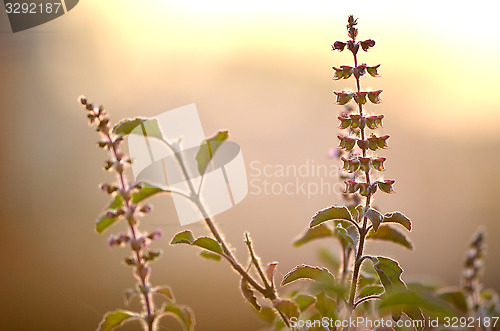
x: 262, y: 70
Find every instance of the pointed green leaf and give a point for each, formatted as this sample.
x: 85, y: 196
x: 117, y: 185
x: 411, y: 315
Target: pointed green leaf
x: 182, y: 313
x: 267, y: 314
x: 397, y: 217
x: 317, y: 232
x: 105, y: 222
x: 415, y: 314
x: 114, y: 319
x: 149, y: 126
x: 326, y: 306
x: 389, y: 273
x: 347, y: 232
x: 210, y: 256
x: 370, y: 290
x: 455, y: 297
x: 375, y: 217
x: 304, y: 301
x: 427, y: 302
x: 209, y: 244
x: 183, y: 237
x: 287, y: 307
x: 165, y: 291
x: 208, y: 148
x: 145, y: 191
x: 330, y: 213
x: 388, y: 233
x: 307, y: 272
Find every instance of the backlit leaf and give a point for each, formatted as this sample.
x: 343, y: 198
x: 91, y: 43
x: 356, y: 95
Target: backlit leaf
x: 375, y: 217
x: 326, y: 306
x: 182, y: 313
x: 114, y: 319
x: 145, y: 191
x: 307, y: 272
x: 330, y: 213
x: 388, y: 233
x: 287, y: 307
x: 397, y: 217
x: 208, y: 148
x: 105, y: 222
x: 149, y: 126
x: 317, y: 232
x: 389, y: 273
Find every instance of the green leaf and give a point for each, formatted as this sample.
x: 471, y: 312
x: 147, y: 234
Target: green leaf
x: 326, y: 306
x: 247, y: 292
x: 397, y: 217
x: 145, y: 191
x: 184, y: 237
x: 428, y: 303
x: 165, y: 291
x: 209, y: 244
x: 105, y: 222
x: 317, y: 232
x: 304, y: 301
x: 370, y: 290
x: 347, y: 232
x: 267, y: 314
x: 330, y: 213
x: 415, y: 314
x: 287, y: 307
x: 375, y: 217
x: 114, y: 319
x: 208, y: 148
x: 150, y: 126
x: 307, y: 272
x: 454, y: 297
x: 209, y: 255
x: 388, y: 233
x: 182, y: 313
x: 389, y: 273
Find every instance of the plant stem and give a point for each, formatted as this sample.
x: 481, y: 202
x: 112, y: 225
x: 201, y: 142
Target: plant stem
x: 215, y: 232
x: 363, y: 231
x: 148, y: 302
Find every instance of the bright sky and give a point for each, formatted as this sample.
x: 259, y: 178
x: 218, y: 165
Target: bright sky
x: 457, y: 57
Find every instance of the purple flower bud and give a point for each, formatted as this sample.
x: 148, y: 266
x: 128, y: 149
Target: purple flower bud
x: 344, y: 122
x: 366, y: 44
x: 351, y: 186
x: 373, y: 70
x: 386, y: 186
x: 378, y: 163
x: 365, y: 163
x: 155, y: 235
x: 374, y: 96
x: 355, y: 120
x: 343, y: 97
x: 338, y: 45
x: 360, y: 97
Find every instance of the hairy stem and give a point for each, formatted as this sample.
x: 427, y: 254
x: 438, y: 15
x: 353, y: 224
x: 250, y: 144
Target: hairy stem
x: 267, y: 291
x: 363, y: 230
x: 141, y: 264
